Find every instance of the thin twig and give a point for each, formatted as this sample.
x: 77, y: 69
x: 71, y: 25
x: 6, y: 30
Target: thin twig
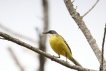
x: 102, y: 57
x: 37, y: 31
x: 16, y: 34
x: 17, y: 41
x: 90, y: 8
x: 76, y: 8
x: 15, y: 59
x: 73, y: 1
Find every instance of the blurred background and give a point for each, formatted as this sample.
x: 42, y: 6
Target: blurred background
x: 27, y: 19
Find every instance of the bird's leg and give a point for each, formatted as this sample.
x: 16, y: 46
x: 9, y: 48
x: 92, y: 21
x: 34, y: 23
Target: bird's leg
x: 66, y: 57
x: 57, y: 56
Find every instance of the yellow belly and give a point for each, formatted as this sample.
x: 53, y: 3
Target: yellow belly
x: 58, y: 45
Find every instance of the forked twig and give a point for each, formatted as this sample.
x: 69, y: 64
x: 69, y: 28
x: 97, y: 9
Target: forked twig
x: 79, y: 21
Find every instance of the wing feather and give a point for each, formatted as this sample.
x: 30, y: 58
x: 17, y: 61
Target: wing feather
x: 66, y: 44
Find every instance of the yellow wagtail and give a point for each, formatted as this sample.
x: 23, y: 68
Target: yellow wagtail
x: 60, y: 46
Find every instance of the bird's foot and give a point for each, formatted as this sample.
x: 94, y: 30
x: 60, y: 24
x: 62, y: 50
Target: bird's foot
x: 56, y: 56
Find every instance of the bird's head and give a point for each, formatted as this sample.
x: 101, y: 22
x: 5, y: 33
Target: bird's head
x: 50, y: 32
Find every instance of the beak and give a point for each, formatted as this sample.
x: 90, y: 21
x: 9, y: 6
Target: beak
x: 45, y: 32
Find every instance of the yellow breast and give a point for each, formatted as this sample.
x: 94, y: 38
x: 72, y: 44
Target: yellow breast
x: 58, y: 45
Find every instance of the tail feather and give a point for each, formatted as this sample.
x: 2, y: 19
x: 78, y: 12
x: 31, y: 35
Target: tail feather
x: 75, y: 61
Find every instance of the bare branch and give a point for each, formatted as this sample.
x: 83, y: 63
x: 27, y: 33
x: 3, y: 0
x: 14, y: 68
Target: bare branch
x: 42, y: 38
x: 78, y: 19
x: 102, y: 57
x: 15, y: 59
x: 16, y: 34
x: 17, y: 41
x: 90, y: 8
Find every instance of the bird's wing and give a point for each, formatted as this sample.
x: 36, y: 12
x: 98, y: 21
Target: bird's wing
x: 66, y: 44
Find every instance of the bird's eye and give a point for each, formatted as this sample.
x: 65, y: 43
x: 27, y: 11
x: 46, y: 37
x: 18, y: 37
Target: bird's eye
x: 50, y: 31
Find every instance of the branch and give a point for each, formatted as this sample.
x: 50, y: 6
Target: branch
x: 42, y: 38
x: 102, y: 60
x: 78, y: 19
x: 17, y: 41
x: 16, y: 34
x: 91, y: 8
x: 15, y: 59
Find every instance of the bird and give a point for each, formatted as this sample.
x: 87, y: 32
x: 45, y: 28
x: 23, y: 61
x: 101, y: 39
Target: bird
x: 60, y: 46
